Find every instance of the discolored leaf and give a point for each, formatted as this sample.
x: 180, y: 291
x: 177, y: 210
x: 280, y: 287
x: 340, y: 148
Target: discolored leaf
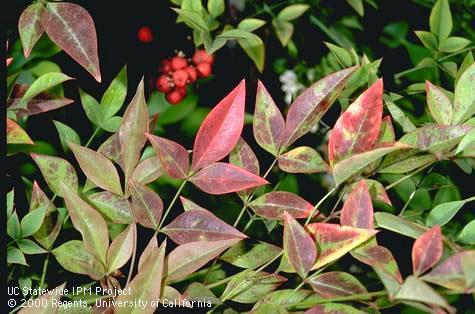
x: 311, y: 105
x: 88, y: 222
x: 132, y: 131
x: 16, y: 135
x: 377, y: 191
x: 173, y: 156
x: 268, y: 123
x: 386, y: 131
x: 100, y: 170
x: 272, y: 205
x: 73, y: 257
x: 358, y: 210
x: 243, y: 156
x: 56, y: 170
x: 408, y: 164
x: 121, y: 248
x: 40, y: 85
x: 189, y: 257
x: 148, y: 170
x: 49, y: 302
x: 147, y: 205
x: 147, y: 252
x: 464, y: 98
x: 256, y: 256
x: 336, y: 284
x: 435, y: 138
x: 198, y: 292
x: 302, y: 159
x: 451, y: 273
x: 414, y: 289
x: 357, y: 128
x: 222, y: 178
x: 330, y: 308
x: 71, y: 27
x: 427, y: 250
x: 200, y: 225
x: 113, y: 207
x: 66, y: 134
x: 15, y: 256
x: 111, y: 149
x: 189, y: 205
x: 30, y: 27
x: 298, y: 246
x: 356, y: 163
x: 334, y: 241
x: 221, y: 129
x: 439, y: 104
x: 146, y: 285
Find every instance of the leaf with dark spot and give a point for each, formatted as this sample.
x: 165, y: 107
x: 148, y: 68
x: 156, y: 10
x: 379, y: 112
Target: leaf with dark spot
x: 272, y: 205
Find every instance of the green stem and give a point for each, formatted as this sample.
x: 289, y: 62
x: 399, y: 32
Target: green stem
x: 134, y: 252
x: 89, y: 141
x: 355, y: 297
x: 43, y: 274
x: 167, y: 211
x: 319, y: 204
x: 390, y: 186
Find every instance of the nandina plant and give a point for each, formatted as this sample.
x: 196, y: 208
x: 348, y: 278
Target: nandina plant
x: 282, y: 253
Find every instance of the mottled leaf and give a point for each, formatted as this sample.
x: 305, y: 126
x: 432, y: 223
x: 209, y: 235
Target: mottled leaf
x: 132, y: 131
x: 148, y: 170
x: 111, y: 149
x: 302, y: 159
x: 71, y: 27
x: 243, y: 157
x: 113, y: 207
x: 427, y: 250
x: 121, y: 248
x: 221, y: 129
x: 336, y: 284
x: 56, y: 170
x: 358, y: 210
x: 464, y: 98
x: 222, y: 178
x: 408, y: 164
x: 334, y: 241
x: 189, y: 205
x: 259, y: 254
x: 49, y: 301
x: 173, y: 156
x: 439, y: 104
x: 311, y: 105
x: 298, y: 246
x: 66, y: 134
x: 386, y: 131
x: 189, y: 257
x: 40, y: 85
x: 356, y: 130
x: 100, y: 170
x: 200, y: 225
x: 146, y: 205
x: 268, y: 123
x: 16, y: 135
x: 330, y: 308
x: 435, y: 138
x: 88, y: 222
x: 30, y: 27
x: 272, y: 205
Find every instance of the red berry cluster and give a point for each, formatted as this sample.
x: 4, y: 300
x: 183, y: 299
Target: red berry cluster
x: 177, y: 72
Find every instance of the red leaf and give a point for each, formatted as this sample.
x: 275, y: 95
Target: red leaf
x: 200, y: 225
x: 222, y: 178
x: 358, y: 210
x: 336, y: 284
x: 16, y: 135
x: 272, y: 205
x: 299, y: 246
x: 311, y: 105
x: 173, y: 156
x: 243, y: 156
x: 30, y: 27
x: 146, y: 205
x: 302, y: 159
x: 357, y: 128
x: 221, y: 129
x: 268, y: 123
x: 71, y: 27
x: 427, y: 250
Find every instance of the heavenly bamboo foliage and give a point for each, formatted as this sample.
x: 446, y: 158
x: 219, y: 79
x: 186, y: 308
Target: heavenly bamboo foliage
x: 427, y: 250
x: 243, y: 156
x: 358, y: 210
x: 173, y: 157
x: 30, y: 27
x: 51, y: 299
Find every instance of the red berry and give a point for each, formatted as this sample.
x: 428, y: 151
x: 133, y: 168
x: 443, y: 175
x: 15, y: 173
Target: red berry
x: 145, y: 34
x: 201, y: 56
x: 192, y: 75
x: 163, y: 83
x: 178, y: 63
x: 165, y: 66
x: 175, y: 95
x: 204, y: 69
x: 180, y: 77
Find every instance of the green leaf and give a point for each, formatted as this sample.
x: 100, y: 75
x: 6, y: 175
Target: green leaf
x: 414, y: 289
x: 398, y: 224
x: 464, y: 98
x: 284, y: 31
x: 443, y: 213
x: 239, y: 256
x: 343, y: 57
x: 13, y: 226
x: 356, y: 163
x: 172, y: 114
x: 112, y: 125
x: 440, y: 106
x: 408, y: 164
x: 32, y: 221
x: 56, y: 170
x: 441, y: 19
x: 91, y: 107
x: 16, y: 135
x: 428, y: 39
x: 255, y: 49
x: 113, y: 207
x: 88, y: 222
x: 15, y: 256
x: 192, y: 19
x: 357, y: 5
x: 66, y: 134
x: 29, y: 247
x: 30, y: 27
x: 467, y: 235
x: 114, y: 96
x: 400, y: 117
x: 43, y: 83
x: 121, y: 248
x: 74, y: 257
x: 467, y: 62
x: 467, y: 142
x: 292, y: 12
x: 216, y: 7
x: 251, y: 24
x: 10, y: 203
x: 453, y: 44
